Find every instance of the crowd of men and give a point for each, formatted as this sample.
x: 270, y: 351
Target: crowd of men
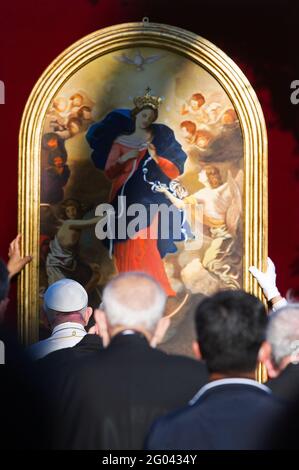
x: 110, y: 387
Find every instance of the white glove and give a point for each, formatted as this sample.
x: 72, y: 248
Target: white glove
x: 267, y: 280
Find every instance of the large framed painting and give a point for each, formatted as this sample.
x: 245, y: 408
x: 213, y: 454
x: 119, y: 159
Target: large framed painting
x: 142, y: 147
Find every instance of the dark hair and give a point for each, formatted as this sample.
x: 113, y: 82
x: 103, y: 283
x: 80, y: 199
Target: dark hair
x: 230, y: 328
x: 71, y: 202
x: 212, y: 174
x: 4, y: 281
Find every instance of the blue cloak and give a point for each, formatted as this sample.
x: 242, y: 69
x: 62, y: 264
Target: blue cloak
x: 101, y: 136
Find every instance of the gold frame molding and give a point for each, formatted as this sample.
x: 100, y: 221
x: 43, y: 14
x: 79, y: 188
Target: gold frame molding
x: 106, y: 40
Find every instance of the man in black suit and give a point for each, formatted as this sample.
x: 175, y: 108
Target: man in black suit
x: 281, y: 358
x: 282, y: 354
x: 233, y: 411
x: 110, y: 398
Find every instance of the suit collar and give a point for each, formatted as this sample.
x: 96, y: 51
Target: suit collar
x: 125, y: 337
x: 291, y: 366
x: 228, y: 382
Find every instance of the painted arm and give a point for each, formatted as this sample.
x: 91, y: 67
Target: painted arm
x: 168, y: 168
x: 179, y: 203
x: 116, y: 162
x: 82, y: 224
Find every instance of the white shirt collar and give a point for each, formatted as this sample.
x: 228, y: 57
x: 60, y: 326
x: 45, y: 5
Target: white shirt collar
x: 68, y: 325
x: 230, y: 381
x: 128, y: 332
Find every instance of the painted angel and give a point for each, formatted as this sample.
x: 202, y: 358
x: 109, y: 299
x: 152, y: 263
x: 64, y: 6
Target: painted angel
x: 221, y: 203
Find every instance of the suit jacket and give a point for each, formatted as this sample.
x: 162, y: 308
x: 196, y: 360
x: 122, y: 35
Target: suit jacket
x: 108, y: 399
x: 286, y: 385
x: 18, y: 397
x: 89, y: 345
x: 230, y: 414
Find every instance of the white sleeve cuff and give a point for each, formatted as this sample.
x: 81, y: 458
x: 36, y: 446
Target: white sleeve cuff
x: 281, y: 303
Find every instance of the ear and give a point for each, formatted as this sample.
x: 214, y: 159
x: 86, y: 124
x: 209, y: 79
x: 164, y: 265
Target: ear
x: 265, y: 352
x: 160, y: 331
x: 45, y: 320
x: 265, y: 356
x: 196, y: 350
x: 101, y: 326
x: 87, y: 315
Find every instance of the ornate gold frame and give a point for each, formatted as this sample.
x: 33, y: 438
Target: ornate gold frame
x: 197, y: 49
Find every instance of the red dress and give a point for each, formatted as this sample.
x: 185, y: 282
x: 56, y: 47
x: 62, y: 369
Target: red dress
x: 141, y: 252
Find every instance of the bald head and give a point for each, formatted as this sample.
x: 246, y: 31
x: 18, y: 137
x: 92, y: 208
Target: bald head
x: 133, y: 300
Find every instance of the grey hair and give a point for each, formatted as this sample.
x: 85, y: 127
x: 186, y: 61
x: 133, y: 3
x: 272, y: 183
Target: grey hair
x: 283, y: 333
x: 51, y: 314
x: 134, y: 299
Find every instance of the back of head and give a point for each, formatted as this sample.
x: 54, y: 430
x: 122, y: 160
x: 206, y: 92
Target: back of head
x: 133, y: 300
x: 65, y: 298
x: 4, y: 281
x: 230, y: 329
x: 283, y: 333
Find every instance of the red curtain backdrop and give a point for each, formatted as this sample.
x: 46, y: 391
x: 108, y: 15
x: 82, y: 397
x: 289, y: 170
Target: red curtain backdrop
x: 33, y: 33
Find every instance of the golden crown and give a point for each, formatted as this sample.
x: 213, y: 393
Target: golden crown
x: 147, y: 100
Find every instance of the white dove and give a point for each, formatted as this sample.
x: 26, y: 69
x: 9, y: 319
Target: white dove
x: 138, y: 60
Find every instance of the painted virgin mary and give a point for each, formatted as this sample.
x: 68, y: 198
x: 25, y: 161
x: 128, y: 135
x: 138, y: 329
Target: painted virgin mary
x: 136, y: 154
